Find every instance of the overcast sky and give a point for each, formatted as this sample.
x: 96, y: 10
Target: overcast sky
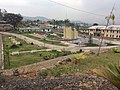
x: 54, y: 11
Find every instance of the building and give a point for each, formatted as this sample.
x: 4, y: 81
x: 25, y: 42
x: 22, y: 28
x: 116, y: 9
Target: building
x: 112, y: 31
x: 5, y: 27
x: 70, y: 33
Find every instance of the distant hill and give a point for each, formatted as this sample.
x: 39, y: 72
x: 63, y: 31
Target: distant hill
x: 35, y: 18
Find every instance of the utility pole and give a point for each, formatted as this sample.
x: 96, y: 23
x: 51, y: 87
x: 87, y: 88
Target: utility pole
x: 102, y: 38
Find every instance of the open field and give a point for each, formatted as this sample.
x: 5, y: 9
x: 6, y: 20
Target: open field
x: 30, y: 58
x: 24, y: 47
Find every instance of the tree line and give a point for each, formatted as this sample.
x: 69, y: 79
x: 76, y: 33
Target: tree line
x: 10, y: 18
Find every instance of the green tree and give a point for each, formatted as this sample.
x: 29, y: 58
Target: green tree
x: 13, y: 19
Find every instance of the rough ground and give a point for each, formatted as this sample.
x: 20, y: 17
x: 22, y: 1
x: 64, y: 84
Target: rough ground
x: 73, y: 82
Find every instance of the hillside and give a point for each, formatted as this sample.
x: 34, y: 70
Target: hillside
x: 35, y: 18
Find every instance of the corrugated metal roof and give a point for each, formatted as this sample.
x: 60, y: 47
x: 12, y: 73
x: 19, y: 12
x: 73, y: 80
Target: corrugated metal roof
x: 111, y: 27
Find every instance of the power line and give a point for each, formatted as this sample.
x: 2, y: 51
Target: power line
x: 76, y: 8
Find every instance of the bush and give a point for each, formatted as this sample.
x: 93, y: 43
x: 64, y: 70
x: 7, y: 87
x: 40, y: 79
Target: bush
x: 14, y: 46
x: 20, y: 44
x: 116, y: 50
x: 43, y: 73
x: 15, y: 72
x: 78, y: 57
x: 111, y: 73
x: 46, y: 57
x: 32, y: 43
x: 40, y: 54
x: 56, y: 73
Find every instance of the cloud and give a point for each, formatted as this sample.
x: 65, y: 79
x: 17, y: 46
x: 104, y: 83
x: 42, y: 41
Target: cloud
x: 52, y: 10
x: 12, y: 2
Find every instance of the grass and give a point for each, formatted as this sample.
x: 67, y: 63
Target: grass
x: 51, y: 36
x: 46, y: 41
x: 90, y: 62
x: 25, y: 46
x: 91, y: 45
x: 30, y: 58
x: 110, y: 44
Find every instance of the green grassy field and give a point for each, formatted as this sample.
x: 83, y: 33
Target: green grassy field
x: 89, y: 63
x: 46, y: 41
x: 25, y: 46
x: 30, y: 58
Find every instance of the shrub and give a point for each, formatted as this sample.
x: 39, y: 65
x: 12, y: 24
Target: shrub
x: 14, y: 46
x: 46, y: 57
x: 32, y: 43
x: 40, y: 54
x: 43, y: 73
x: 56, y: 73
x: 78, y: 57
x: 111, y: 73
x: 116, y: 50
x: 15, y: 72
x: 20, y: 44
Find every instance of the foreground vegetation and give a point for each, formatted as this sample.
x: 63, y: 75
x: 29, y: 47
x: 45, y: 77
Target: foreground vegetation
x: 30, y: 58
x: 86, y: 63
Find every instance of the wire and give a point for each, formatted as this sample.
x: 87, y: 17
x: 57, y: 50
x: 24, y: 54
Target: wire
x: 76, y: 8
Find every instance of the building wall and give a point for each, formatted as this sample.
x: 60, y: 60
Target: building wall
x: 70, y: 33
x: 106, y: 33
x: 5, y: 27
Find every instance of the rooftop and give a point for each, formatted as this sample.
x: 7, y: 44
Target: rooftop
x: 110, y: 27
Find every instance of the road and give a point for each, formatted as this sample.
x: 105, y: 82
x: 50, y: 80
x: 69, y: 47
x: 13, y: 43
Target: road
x: 36, y: 42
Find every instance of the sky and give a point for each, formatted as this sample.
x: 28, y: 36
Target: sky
x: 52, y: 10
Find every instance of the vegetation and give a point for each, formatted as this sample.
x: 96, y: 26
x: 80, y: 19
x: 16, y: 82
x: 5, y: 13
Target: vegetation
x: 116, y: 50
x: 51, y: 36
x: 91, y: 45
x: 21, y: 46
x: 13, y: 19
x: 85, y: 63
x: 30, y: 58
x: 46, y: 41
x: 111, y: 73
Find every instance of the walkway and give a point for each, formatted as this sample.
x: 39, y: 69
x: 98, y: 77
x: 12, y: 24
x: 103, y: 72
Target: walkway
x: 36, y: 42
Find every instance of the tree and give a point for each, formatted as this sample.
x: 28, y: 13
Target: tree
x: 13, y: 19
x: 1, y: 16
x: 67, y: 22
x: 95, y: 24
x: 113, y: 18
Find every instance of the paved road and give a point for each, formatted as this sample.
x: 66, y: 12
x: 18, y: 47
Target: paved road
x: 36, y: 42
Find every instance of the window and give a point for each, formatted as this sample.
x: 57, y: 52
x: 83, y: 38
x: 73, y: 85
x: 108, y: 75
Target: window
x: 107, y: 30
x: 106, y: 35
x: 113, y: 31
x: 112, y: 35
x: 117, y: 32
x: 117, y: 36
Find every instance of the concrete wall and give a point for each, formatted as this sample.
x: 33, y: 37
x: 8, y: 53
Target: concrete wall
x: 70, y: 33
